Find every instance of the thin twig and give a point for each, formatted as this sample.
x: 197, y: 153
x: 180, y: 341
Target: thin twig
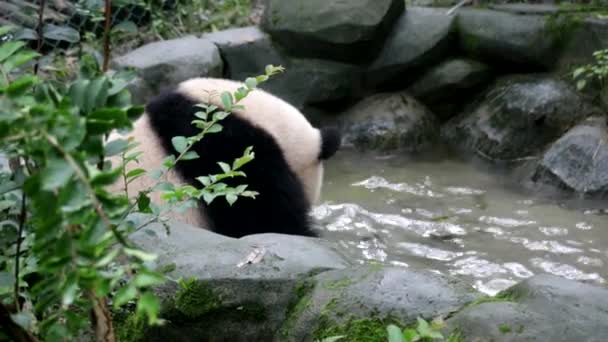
x: 22, y: 217
x: 98, y: 207
x: 40, y: 32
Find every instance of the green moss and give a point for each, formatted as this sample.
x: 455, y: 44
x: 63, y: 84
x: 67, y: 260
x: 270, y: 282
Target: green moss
x: 504, y: 328
x: 561, y: 26
x: 129, y: 328
x: 500, y: 297
x: 368, y: 330
x: 375, y: 266
x: 300, y: 302
x: 455, y: 336
x: 168, y: 268
x: 196, y: 298
x: 338, y: 284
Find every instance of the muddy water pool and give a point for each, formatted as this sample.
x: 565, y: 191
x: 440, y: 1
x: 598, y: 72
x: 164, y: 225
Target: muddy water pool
x: 458, y: 218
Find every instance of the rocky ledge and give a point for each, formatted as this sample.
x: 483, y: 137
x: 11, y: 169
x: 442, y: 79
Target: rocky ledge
x: 286, y: 288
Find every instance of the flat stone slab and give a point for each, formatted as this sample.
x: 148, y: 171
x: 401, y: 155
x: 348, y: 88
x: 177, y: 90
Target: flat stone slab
x: 541, y: 308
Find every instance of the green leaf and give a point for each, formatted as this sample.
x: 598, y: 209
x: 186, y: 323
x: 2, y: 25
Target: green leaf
x: 581, y: 84
x: 251, y: 82
x: 21, y: 85
x: 70, y: 290
x: 77, y: 93
x: 135, y: 173
x: 97, y: 94
x: 204, y: 180
x: 56, y: 174
x: 115, y: 147
x: 124, y: 295
x: 216, y: 128
x: 333, y: 338
x: 394, y: 333
x: 227, y: 100
x: 179, y: 143
x: 225, y: 167
x: 231, y: 198
x: 106, y: 178
x: 410, y: 335
x: 201, y: 115
x: 423, y: 328
x: 149, y: 306
x: 7, y: 280
x: 208, y: 197
x: 107, y: 258
x: 578, y: 72
x: 61, y: 33
x: 155, y: 174
x: 246, y: 158
x: 9, y: 48
x: 190, y: 155
x: 106, y: 119
x: 139, y: 254
x: 143, y: 203
x: 134, y: 112
x: 220, y: 115
x: 6, y: 29
x: 19, y: 59
x: 169, y: 161
x: 163, y: 186
x: 147, y: 278
x: 125, y: 26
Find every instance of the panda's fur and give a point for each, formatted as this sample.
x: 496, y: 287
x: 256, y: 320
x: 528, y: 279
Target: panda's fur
x: 287, y: 170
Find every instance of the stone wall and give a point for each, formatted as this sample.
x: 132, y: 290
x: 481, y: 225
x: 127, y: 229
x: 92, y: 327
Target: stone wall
x: 494, y: 83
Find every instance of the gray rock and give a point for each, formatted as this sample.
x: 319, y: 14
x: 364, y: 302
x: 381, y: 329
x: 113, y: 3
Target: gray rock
x: 582, y: 38
x: 517, y: 118
x: 389, y: 121
x: 577, y: 162
x: 166, y: 63
x: 334, y: 29
x: 542, y: 308
x: 420, y: 38
x: 247, y: 51
x: 507, y: 38
x: 227, y: 300
x: 206, y: 255
x: 444, y: 87
x: 375, y: 295
x: 526, y: 8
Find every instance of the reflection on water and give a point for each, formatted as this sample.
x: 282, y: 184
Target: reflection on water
x: 455, y: 218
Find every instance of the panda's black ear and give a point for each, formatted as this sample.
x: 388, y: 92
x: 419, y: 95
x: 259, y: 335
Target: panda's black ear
x: 331, y: 140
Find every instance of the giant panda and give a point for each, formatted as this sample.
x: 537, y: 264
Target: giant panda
x: 287, y: 170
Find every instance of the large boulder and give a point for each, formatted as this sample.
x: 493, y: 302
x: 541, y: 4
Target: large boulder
x: 517, y: 118
x: 367, y: 298
x: 577, y: 162
x: 542, y: 308
x: 389, y: 121
x: 420, y: 38
x: 166, y: 63
x: 523, y: 40
x: 334, y: 29
x: 583, y: 38
x: 233, y: 289
x: 246, y: 51
x: 444, y: 87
